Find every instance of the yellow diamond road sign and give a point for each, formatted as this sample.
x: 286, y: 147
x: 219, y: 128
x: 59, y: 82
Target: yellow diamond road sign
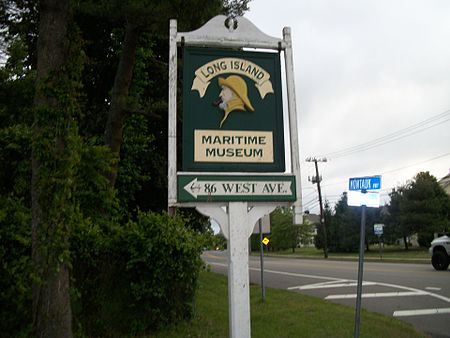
x: 265, y: 241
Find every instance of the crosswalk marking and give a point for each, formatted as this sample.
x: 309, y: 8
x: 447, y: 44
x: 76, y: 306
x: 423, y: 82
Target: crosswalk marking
x: 406, y: 313
x: 329, y: 285
x: 379, y: 294
x: 332, y: 282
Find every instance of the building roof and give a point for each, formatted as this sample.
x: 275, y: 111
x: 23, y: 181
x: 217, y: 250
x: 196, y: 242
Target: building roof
x: 445, y: 183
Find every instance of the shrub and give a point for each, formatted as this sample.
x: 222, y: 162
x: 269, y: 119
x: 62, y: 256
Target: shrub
x: 15, y: 267
x: 425, y: 238
x: 135, y: 278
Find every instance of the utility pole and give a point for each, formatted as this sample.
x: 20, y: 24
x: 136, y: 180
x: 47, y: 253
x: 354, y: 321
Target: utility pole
x: 316, y: 179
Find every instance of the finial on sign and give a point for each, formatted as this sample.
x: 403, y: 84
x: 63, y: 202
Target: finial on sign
x: 231, y: 23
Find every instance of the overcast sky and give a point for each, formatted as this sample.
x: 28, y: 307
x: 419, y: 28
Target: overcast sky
x: 365, y: 70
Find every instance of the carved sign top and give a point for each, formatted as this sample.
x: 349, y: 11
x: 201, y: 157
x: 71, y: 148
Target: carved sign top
x: 224, y: 31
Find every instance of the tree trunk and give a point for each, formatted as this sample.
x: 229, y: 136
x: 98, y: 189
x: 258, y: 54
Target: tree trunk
x: 118, y: 112
x: 52, y: 316
x: 405, y: 240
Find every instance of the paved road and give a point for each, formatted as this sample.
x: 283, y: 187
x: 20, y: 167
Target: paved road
x: 415, y: 293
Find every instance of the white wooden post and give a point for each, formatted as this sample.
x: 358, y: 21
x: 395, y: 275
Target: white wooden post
x: 293, y: 128
x: 238, y: 277
x: 237, y: 225
x: 172, y: 129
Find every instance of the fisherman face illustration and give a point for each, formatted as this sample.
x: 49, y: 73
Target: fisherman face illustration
x: 233, y: 96
x: 226, y: 94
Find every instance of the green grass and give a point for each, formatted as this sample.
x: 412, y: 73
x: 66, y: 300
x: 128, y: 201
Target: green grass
x: 284, y: 314
x: 389, y: 253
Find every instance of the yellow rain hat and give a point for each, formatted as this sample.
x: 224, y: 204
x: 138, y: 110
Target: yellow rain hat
x: 237, y: 85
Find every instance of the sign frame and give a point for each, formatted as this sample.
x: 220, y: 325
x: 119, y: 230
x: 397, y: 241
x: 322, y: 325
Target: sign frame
x: 232, y: 33
x: 237, y: 218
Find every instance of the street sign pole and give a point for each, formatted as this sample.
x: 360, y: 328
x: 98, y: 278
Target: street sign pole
x: 361, y: 196
x: 360, y: 270
x: 379, y: 246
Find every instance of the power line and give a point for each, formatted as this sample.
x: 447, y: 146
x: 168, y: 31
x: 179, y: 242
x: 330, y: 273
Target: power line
x: 315, y: 199
x: 332, y: 196
x: 311, y: 204
x: 312, y: 192
x: 393, y: 170
x: 408, y: 131
x: 412, y: 165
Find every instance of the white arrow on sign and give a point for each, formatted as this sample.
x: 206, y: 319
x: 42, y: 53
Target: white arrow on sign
x: 238, y: 188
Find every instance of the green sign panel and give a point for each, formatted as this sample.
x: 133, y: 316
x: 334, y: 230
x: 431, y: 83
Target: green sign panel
x: 220, y: 188
x: 232, y: 111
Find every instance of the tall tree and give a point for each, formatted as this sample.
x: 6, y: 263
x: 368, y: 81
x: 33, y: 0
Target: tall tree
x: 346, y: 222
x: 426, y: 207
x: 140, y: 20
x: 420, y: 206
x: 284, y: 234
x: 395, y: 226
x: 145, y: 25
x: 115, y: 88
x: 43, y: 32
x: 343, y: 226
x: 51, y: 174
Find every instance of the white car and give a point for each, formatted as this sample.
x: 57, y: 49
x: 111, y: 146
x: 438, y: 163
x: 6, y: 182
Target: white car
x: 440, y: 252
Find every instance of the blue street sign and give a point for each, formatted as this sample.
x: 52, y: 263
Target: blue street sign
x: 365, y: 183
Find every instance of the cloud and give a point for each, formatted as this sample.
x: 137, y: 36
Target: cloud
x: 364, y: 70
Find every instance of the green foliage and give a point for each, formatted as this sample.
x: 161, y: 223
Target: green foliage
x: 56, y: 155
x: 136, y: 154
x: 306, y: 233
x: 420, y: 206
x: 95, y: 197
x: 219, y: 242
x: 391, y: 217
x: 15, y: 166
x: 19, y: 18
x: 65, y: 132
x: 426, y: 206
x: 343, y: 226
x: 284, y: 234
x: 15, y: 267
x: 58, y: 151
x: 135, y: 278
x: 16, y: 89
